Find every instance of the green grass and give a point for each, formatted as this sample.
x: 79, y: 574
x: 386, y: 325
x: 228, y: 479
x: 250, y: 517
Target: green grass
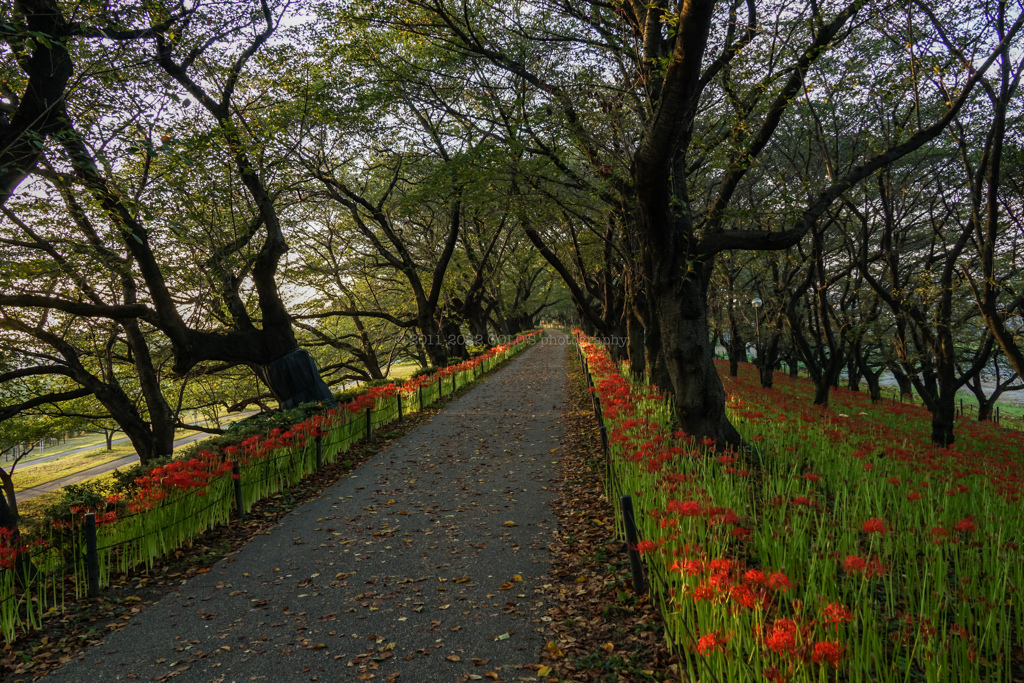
x: 403, y: 370
x: 31, y: 511
x: 45, y: 472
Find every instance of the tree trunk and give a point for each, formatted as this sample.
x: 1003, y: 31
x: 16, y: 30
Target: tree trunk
x: 943, y: 418
x: 737, y: 352
x: 635, y: 333
x: 853, y: 374
x: 368, y: 355
x: 454, y: 339
x: 767, y: 365
x: 903, y: 382
x: 294, y: 379
x: 433, y: 342
x: 985, y: 409
x: 8, y: 501
x: 827, y: 378
x: 659, y: 376
x: 478, y: 328
x: 680, y: 307
x: 870, y: 376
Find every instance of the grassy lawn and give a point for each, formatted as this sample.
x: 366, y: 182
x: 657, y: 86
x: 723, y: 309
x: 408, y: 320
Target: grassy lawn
x: 31, y: 511
x: 80, y: 441
x: 44, y: 472
x: 403, y: 370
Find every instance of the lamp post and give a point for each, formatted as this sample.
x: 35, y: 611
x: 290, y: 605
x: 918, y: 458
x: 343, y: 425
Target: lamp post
x: 756, y: 303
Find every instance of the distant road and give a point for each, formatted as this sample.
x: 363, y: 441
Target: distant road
x: 77, y: 477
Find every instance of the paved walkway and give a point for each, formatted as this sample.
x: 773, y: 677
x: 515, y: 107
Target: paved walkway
x: 422, y: 566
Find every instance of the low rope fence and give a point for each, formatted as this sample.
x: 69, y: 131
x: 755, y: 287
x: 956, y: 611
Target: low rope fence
x: 178, y: 502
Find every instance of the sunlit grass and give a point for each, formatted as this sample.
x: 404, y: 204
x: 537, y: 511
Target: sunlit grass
x: 35, y: 474
x: 45, y: 472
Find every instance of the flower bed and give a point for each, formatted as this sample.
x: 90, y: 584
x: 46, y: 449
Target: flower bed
x: 843, y: 546
x: 175, y: 503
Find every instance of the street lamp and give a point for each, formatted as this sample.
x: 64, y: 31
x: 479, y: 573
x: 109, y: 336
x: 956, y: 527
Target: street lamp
x: 756, y: 303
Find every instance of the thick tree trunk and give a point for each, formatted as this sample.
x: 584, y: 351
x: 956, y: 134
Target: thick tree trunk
x: 767, y: 365
x: 903, y: 382
x: 478, y: 328
x: 294, y: 379
x: 943, y: 420
x: 985, y: 410
x: 635, y: 333
x: 8, y: 517
x: 985, y: 406
x: 853, y: 374
x: 454, y: 339
x: 8, y: 501
x: 659, y: 376
x: 617, y: 343
x: 826, y: 379
x: 737, y: 352
x: 874, y: 388
x: 680, y: 306
x: 433, y: 342
x: 870, y: 376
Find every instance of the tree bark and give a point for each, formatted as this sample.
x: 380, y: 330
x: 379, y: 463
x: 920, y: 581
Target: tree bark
x: 679, y: 305
x: 635, y: 333
x: 771, y: 357
x: 737, y: 352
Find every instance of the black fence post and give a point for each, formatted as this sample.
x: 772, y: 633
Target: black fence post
x: 319, y: 451
x: 399, y: 405
x: 631, y: 541
x: 369, y: 424
x: 421, y: 396
x: 92, y: 559
x: 236, y: 479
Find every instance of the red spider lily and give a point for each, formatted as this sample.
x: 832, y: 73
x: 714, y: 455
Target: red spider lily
x: 782, y: 638
x: 754, y: 576
x: 966, y: 525
x: 690, y: 508
x: 710, y: 643
x: 835, y: 613
x: 827, y: 651
x: 704, y: 593
x: 874, y: 526
x: 744, y: 596
x: 778, y: 582
x: 719, y: 565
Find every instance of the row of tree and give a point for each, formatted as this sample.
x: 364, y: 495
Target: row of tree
x: 260, y: 187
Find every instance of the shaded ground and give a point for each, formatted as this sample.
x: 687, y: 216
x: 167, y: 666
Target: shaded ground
x: 425, y: 564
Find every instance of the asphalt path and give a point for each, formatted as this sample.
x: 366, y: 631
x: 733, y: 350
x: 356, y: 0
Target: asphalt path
x: 425, y: 564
